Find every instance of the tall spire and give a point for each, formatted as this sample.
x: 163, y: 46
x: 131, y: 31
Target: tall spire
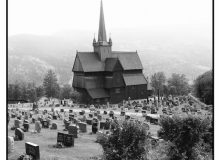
x: 102, y: 32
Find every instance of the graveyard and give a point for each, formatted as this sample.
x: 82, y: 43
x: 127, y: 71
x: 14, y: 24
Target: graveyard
x: 76, y: 123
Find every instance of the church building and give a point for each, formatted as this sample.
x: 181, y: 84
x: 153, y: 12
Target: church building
x: 105, y: 75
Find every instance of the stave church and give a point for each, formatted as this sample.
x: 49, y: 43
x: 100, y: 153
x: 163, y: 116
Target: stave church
x: 110, y: 76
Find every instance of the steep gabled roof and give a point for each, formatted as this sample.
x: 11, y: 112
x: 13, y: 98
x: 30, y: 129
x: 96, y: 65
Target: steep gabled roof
x: 97, y: 93
x: 128, y: 60
x: 90, y: 62
x: 110, y: 63
x: 134, y: 79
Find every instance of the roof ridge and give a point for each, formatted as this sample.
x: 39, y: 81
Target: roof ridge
x: 124, y: 52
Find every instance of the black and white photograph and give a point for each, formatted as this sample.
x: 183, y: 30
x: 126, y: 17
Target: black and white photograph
x: 110, y: 80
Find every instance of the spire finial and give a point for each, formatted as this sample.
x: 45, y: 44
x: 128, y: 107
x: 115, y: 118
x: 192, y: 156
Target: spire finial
x: 102, y: 32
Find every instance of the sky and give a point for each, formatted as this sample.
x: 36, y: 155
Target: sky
x: 45, y: 17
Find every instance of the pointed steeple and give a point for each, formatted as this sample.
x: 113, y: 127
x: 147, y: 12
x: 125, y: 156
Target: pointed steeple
x: 102, y: 32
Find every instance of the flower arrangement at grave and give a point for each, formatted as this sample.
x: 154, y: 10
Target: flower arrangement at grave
x: 59, y: 145
x: 25, y: 157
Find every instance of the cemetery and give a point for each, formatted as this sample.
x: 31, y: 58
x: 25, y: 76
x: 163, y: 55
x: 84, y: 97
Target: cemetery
x: 72, y: 132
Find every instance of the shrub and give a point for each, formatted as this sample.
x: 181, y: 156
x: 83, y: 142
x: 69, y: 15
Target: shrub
x: 127, y: 140
x: 185, y: 133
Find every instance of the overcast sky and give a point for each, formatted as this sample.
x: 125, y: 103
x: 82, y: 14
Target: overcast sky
x: 43, y: 17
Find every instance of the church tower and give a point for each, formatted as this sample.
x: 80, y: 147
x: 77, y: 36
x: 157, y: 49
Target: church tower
x: 102, y: 47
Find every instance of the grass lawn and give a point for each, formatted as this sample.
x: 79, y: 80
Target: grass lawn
x: 84, y: 145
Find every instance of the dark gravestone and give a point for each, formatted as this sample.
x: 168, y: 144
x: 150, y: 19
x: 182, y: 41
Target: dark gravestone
x: 69, y: 140
x: 70, y: 111
x: 26, y: 126
x: 33, y: 150
x: 33, y: 120
x: 60, y: 137
x: 61, y: 110
x: 12, y: 115
x: 54, y: 117
x: 94, y: 127
x: 90, y: 115
x: 81, y: 113
x: 19, y: 133
x: 89, y: 121
x: 147, y: 118
x: 45, y: 111
x: 122, y: 113
x: 67, y: 125
x: 45, y: 124
x: 127, y: 117
x: 105, y: 112
x: 111, y: 114
x: 107, y: 125
x: 102, y: 125
x: 19, y: 118
x: 22, y: 113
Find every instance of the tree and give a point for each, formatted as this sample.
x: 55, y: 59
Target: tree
x: 178, y: 84
x: 16, y: 91
x: 158, y: 81
x: 50, y: 84
x: 65, y: 92
x: 40, y: 91
x: 31, y: 92
x: 203, y: 87
x: 186, y: 135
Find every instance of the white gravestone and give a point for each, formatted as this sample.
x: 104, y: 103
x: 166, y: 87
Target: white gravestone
x: 10, y: 144
x: 37, y: 126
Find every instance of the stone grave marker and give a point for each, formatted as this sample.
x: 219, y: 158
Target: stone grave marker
x: 54, y: 117
x: 33, y: 150
x: 95, y: 114
x: 73, y: 129
x: 105, y: 112
x: 107, y: 125
x: 143, y: 113
x: 37, y: 126
x: 60, y: 137
x: 54, y: 125
x: 82, y: 127
x: 61, y: 116
x: 69, y: 140
x: 26, y: 126
x: 90, y: 115
x: 45, y: 124
x: 70, y: 111
x: 99, y: 117
x: 98, y: 112
x: 89, y: 121
x: 10, y: 144
x: 52, y: 109
x: 61, y: 110
x: 17, y: 123
x: 94, y: 127
x: 111, y: 114
x: 127, y: 117
x: 19, y: 133
x: 12, y: 115
x: 122, y: 113
x: 67, y: 125
x: 102, y: 124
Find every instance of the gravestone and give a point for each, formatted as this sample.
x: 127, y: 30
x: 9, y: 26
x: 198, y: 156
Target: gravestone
x: 33, y: 150
x: 54, y: 126
x: 144, y: 113
x: 105, y: 112
x: 94, y: 127
x: 33, y: 120
x: 67, y: 125
x: 26, y: 126
x: 82, y: 127
x: 12, y: 115
x: 111, y: 114
x: 60, y: 137
x: 98, y: 112
x: 17, y: 123
x: 66, y: 139
x: 73, y: 129
x: 45, y: 111
x: 54, y: 117
x: 26, y: 117
x: 45, y: 124
x: 70, y: 111
x: 107, y: 125
x: 122, y: 113
x: 37, y: 126
x: 102, y: 124
x: 90, y: 115
x: 61, y: 110
x: 89, y: 121
x: 99, y: 117
x: 10, y: 144
x: 19, y: 133
x: 127, y: 117
x: 61, y: 116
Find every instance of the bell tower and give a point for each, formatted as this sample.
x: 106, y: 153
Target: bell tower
x: 102, y: 47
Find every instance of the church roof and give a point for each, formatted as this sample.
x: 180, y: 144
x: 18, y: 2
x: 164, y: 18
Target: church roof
x: 90, y: 62
x: 97, y: 93
x: 129, y: 60
x: 131, y: 79
x: 110, y: 64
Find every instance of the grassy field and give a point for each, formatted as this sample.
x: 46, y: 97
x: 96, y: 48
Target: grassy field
x: 84, y: 146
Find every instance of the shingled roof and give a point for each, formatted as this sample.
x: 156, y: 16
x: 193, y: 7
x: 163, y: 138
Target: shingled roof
x: 131, y: 79
x: 110, y: 64
x: 90, y: 62
x: 129, y: 60
x: 97, y: 93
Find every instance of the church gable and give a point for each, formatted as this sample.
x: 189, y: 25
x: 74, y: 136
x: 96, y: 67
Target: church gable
x: 77, y: 65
